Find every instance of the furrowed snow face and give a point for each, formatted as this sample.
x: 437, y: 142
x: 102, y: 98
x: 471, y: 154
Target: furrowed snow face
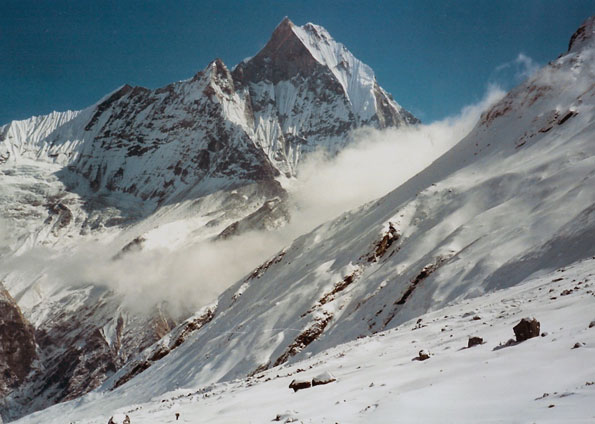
x: 308, y: 91
x: 194, y: 161
x: 512, y: 199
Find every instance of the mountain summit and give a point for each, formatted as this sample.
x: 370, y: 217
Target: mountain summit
x: 304, y: 66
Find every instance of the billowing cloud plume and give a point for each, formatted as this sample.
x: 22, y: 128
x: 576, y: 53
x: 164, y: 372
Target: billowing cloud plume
x: 375, y: 163
x: 515, y: 71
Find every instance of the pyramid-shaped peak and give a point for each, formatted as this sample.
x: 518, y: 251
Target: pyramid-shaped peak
x: 310, y: 51
x: 285, y: 22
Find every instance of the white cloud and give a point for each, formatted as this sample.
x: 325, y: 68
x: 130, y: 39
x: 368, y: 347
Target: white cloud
x: 374, y: 164
x: 515, y: 71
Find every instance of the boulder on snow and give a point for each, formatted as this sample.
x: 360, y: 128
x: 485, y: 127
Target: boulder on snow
x: 423, y: 355
x: 592, y: 324
x: 474, y: 341
x: 527, y: 328
x: 324, y: 378
x: 299, y: 384
x: 119, y: 419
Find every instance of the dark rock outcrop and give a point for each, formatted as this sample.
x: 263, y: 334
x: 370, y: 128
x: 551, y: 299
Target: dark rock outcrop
x: 17, y: 343
x: 474, y: 341
x: 300, y: 384
x: 527, y: 328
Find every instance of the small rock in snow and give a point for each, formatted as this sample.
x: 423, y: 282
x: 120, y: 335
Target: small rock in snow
x: 286, y: 417
x: 423, y: 355
x: 577, y: 345
x: 474, y: 341
x: 119, y: 419
x: 300, y: 384
x: 592, y: 324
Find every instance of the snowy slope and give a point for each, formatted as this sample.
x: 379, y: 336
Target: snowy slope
x: 544, y: 379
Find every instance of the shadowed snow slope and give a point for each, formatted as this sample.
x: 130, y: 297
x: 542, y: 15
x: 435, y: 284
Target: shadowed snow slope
x: 513, y: 200
x: 377, y: 381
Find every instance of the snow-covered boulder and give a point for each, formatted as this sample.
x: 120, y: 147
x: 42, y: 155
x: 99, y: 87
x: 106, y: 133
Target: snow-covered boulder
x: 324, y: 378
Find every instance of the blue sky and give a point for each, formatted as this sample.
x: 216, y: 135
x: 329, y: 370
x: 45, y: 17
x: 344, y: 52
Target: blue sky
x: 433, y: 56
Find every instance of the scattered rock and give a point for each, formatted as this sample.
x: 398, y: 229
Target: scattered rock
x: 476, y: 318
x: 286, y: 417
x: 474, y: 341
x: 324, y: 378
x: 592, y: 324
x: 577, y: 345
x: 422, y: 355
x: 527, y: 328
x: 566, y: 292
x: 119, y: 419
x: 510, y: 342
x: 551, y: 406
x: 300, y: 384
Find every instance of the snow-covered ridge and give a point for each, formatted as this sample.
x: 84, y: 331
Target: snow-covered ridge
x: 584, y: 36
x: 356, y: 78
x: 26, y: 137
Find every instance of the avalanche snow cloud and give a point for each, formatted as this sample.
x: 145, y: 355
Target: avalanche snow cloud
x: 184, y: 277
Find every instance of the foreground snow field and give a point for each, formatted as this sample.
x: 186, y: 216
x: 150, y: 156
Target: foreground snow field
x: 543, y: 379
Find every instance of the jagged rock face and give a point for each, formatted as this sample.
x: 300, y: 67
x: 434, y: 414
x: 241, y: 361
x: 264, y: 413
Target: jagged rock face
x: 583, y: 36
x: 75, y: 355
x: 154, y: 144
x: 17, y: 344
